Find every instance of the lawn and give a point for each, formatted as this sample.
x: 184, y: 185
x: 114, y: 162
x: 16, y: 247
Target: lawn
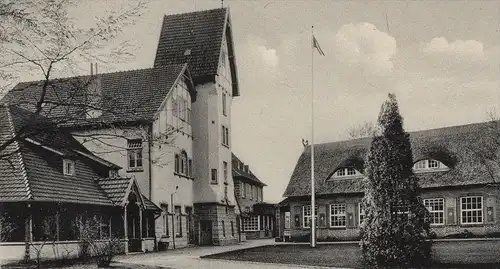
x: 81, y: 266
x: 336, y: 255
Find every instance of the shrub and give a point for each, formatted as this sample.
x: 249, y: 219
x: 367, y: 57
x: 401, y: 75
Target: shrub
x: 393, y: 231
x: 106, y: 251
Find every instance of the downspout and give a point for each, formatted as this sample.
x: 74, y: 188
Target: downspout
x: 150, y: 138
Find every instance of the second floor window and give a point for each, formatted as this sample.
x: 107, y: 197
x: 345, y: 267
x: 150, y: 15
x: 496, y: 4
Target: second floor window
x: 224, y: 104
x: 214, y: 176
x: 134, y: 153
x: 225, y: 136
x: 225, y: 171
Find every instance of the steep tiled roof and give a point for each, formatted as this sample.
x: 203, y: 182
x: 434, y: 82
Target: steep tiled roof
x: 458, y: 147
x: 34, y: 170
x: 116, y: 188
x: 13, y: 180
x: 127, y: 96
x: 240, y: 173
x: 200, y: 34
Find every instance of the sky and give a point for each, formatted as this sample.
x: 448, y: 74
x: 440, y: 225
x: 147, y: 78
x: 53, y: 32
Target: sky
x: 440, y: 58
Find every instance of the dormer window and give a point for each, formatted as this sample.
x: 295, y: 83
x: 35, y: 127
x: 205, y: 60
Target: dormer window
x: 429, y: 165
x: 68, y: 167
x: 346, y: 172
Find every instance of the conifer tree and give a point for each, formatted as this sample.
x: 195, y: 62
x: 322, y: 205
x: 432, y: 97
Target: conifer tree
x: 394, y: 231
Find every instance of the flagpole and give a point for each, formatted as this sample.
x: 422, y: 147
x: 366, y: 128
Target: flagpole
x: 313, y: 211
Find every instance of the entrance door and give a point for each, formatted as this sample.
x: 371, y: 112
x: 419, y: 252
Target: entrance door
x: 205, y: 232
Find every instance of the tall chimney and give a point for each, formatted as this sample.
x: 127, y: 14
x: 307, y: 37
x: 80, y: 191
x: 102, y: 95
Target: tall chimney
x: 91, y: 69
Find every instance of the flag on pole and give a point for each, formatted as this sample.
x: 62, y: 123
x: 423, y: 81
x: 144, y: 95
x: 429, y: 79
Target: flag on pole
x: 316, y: 45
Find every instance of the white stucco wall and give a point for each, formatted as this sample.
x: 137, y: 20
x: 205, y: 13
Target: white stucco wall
x: 209, y: 151
x: 111, y: 145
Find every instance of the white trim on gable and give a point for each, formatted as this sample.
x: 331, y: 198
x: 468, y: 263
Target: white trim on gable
x: 429, y: 165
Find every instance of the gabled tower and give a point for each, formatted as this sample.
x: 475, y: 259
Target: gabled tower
x: 203, y: 39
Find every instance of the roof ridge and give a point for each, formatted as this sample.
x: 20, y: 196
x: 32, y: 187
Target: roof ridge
x: 409, y: 132
x: 197, y: 11
x: 107, y: 73
x: 17, y: 151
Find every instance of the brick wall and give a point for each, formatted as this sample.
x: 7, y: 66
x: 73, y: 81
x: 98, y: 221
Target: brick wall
x: 452, y: 213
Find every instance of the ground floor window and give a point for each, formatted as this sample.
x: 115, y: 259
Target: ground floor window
x: 435, y: 206
x: 178, y: 222
x: 251, y: 224
x: 337, y: 215
x: 361, y: 213
x: 307, y: 212
x: 471, y: 209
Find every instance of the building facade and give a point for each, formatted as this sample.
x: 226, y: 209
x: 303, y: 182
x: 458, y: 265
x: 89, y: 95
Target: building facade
x: 168, y: 127
x: 458, y: 185
x: 258, y: 219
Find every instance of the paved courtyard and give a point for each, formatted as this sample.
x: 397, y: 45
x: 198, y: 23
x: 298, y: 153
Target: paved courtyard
x: 189, y: 258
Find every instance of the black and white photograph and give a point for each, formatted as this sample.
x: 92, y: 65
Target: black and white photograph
x: 270, y: 134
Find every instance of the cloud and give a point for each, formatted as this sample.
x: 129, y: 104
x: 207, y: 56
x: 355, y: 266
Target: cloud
x: 467, y: 48
x: 268, y: 56
x: 362, y: 45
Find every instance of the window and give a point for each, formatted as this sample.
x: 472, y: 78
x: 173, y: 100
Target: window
x: 346, y: 172
x: 361, y: 212
x: 251, y: 224
x: 188, y: 116
x: 225, y: 136
x: 224, y: 164
x: 337, y: 215
x: 436, y: 210
x: 174, y: 108
x: 190, y: 168
x: 214, y: 176
x: 433, y: 164
x: 164, y: 221
x: 177, y: 160
x: 251, y: 192
x: 178, y: 222
x: 134, y: 152
x: 225, y: 193
x: 232, y: 228
x: 426, y: 165
x: 224, y: 109
x: 68, y: 167
x: 182, y: 108
x: 243, y: 189
x: 223, y: 229
x: 471, y: 209
x: 307, y: 216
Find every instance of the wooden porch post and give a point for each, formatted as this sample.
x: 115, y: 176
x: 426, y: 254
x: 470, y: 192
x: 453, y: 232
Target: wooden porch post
x: 125, y: 231
x: 28, y: 231
x: 140, y: 221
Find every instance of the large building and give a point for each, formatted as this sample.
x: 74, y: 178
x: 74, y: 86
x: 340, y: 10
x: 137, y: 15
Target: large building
x: 168, y: 127
x: 457, y: 176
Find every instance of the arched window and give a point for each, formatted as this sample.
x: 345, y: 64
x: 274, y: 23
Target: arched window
x: 429, y: 165
x: 183, y: 165
x: 346, y: 172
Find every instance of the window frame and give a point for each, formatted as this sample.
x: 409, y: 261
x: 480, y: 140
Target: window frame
x: 338, y: 215
x: 135, y: 154
x: 480, y: 210
x: 224, y: 104
x: 225, y: 169
x: 433, y: 212
x: 67, y: 162
x: 361, y: 212
x: 308, y: 217
x: 178, y: 220
x: 253, y: 220
x: 214, y: 176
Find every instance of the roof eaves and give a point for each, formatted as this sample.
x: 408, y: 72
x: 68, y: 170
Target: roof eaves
x: 98, y: 159
x: 43, y: 146
x: 231, y: 54
x: 19, y: 157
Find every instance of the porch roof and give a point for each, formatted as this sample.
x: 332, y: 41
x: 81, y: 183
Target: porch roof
x: 118, y: 189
